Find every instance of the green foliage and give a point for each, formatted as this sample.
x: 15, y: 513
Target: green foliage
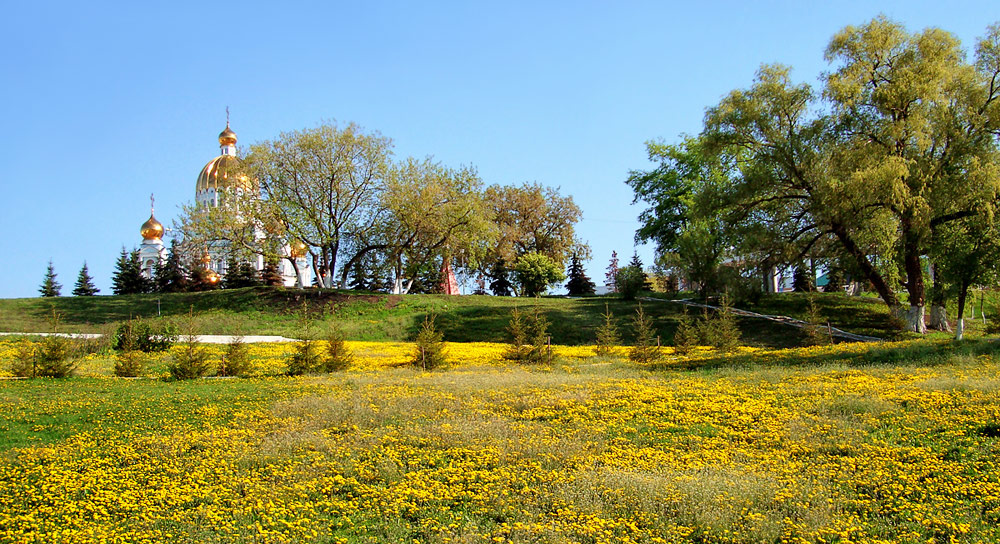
x: 535, y: 272
x: 129, y: 364
x: 128, y: 278
x: 499, y: 276
x: 430, y: 346
x: 236, y: 360
x: 611, y: 273
x: 85, y: 284
x: 24, y: 363
x: 50, y: 287
x: 338, y: 357
x: 646, y: 348
x: 802, y: 280
x: 686, y: 335
x: 54, y: 358
x: 629, y: 281
x: 239, y: 274
x: 169, y: 275
x: 607, y: 335
x: 190, y: 361
x: 271, y: 275
x: 137, y: 334
x: 579, y: 283
x: 835, y: 280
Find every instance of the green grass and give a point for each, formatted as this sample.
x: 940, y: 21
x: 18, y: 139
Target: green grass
x: 381, y: 317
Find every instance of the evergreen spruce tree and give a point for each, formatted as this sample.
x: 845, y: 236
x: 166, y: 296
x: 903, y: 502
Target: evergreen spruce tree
x: 239, y: 274
x: 835, y: 280
x: 686, y: 335
x: 607, y: 334
x: 358, y: 281
x: 647, y: 284
x: 578, y: 284
x: 85, y: 284
x: 646, y: 349
x: 50, y: 287
x: 270, y: 274
x: 169, y: 276
x: 802, y: 281
x: 611, y: 277
x: 500, y: 283
x: 118, y: 280
x: 128, y: 278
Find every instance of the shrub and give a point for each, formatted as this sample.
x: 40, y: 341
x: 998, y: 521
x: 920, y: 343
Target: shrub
x: 129, y: 364
x: 54, y: 358
x: 136, y: 334
x: 338, y: 357
x: 720, y: 330
x: 646, y: 349
x: 815, y: 333
x: 190, y: 362
x: 430, y: 346
x: 686, y: 335
x: 305, y: 359
x: 535, y: 272
x: 24, y: 364
x: 236, y: 360
x: 607, y: 335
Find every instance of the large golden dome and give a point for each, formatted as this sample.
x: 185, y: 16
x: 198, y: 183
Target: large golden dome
x: 222, y: 173
x: 298, y: 249
x: 151, y: 229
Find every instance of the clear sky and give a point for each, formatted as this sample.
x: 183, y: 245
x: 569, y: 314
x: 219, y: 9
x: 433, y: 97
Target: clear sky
x: 103, y: 104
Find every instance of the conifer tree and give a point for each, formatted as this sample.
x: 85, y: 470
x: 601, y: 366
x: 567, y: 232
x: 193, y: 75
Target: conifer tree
x: 239, y: 274
x: 50, y: 287
x: 169, y: 276
x: 85, y: 284
x: 646, y: 349
x: 500, y: 283
x: 128, y: 278
x: 607, y: 334
x: 578, y: 284
x: 611, y: 277
x: 270, y: 274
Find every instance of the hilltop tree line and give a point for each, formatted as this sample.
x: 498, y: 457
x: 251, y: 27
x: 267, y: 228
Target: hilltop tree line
x: 370, y: 221
x: 887, y: 173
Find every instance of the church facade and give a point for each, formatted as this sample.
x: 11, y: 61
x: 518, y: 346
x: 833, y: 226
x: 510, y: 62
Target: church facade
x: 218, y: 177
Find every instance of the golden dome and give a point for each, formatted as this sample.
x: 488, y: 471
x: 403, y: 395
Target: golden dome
x: 221, y: 173
x: 227, y: 137
x: 298, y: 249
x: 151, y: 229
x: 213, y: 277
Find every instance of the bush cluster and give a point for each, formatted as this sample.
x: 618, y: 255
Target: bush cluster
x: 138, y: 335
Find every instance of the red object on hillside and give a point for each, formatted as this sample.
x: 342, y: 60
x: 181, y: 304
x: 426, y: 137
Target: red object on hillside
x: 449, y: 285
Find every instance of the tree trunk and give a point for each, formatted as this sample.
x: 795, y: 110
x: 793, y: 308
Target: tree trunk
x: 963, y: 293
x: 939, y: 318
x: 866, y: 267
x: 915, y: 319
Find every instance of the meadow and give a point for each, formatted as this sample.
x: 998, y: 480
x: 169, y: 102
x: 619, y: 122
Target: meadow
x: 876, y: 443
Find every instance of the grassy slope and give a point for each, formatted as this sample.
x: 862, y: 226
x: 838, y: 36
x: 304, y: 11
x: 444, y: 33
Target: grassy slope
x: 384, y: 317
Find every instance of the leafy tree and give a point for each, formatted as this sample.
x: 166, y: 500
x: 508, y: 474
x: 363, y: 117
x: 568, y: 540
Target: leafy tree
x: 84, y: 286
x: 323, y: 186
x: 629, y: 282
x: 579, y: 284
x: 533, y: 219
x: 50, y: 287
x: 436, y: 214
x: 535, y: 272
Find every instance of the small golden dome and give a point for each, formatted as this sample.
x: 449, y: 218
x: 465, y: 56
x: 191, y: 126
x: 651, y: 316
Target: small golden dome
x: 227, y: 137
x: 298, y: 249
x: 213, y: 277
x: 151, y: 229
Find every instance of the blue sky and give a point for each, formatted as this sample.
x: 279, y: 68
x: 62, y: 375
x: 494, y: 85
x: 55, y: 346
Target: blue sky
x: 103, y: 104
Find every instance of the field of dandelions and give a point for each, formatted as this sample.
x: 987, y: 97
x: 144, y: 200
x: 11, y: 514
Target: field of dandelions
x: 780, y: 446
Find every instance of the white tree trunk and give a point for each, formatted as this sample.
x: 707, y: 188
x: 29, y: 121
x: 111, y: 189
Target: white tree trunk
x: 960, y: 328
x: 915, y: 320
x: 939, y: 318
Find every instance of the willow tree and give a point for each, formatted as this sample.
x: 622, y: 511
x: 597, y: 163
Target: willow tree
x: 902, y: 145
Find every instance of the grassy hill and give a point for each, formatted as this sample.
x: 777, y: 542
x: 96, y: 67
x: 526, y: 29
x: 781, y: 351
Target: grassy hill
x: 370, y: 316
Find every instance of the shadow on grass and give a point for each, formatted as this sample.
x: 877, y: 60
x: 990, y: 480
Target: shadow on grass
x: 925, y: 353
